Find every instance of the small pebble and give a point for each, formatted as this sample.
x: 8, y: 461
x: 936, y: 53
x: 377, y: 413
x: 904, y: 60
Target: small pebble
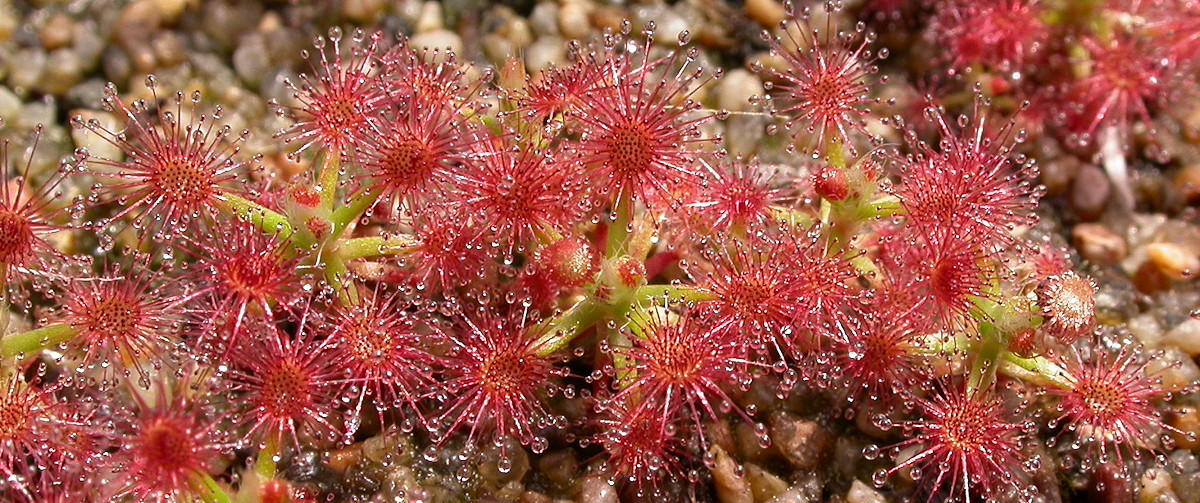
x: 227, y: 21
x: 668, y: 23
x: 862, y: 493
x: 141, y: 55
x: 250, y: 59
x: 544, y: 19
x: 170, y: 10
x: 767, y: 13
x: 38, y: 112
x: 1154, y: 483
x: 534, y: 497
x: 1186, y: 420
x: 558, y: 467
x: 544, y: 53
x: 63, y: 70
x: 57, y: 32
x: 731, y: 484
x: 1175, y: 368
x: 1090, y: 192
x: 715, y: 37
x: 747, y: 444
x: 497, y: 49
x: 10, y: 105
x: 1167, y: 497
x: 1149, y: 279
x: 1186, y: 336
x: 1147, y: 328
x: 1187, y: 487
x: 806, y: 490
x: 340, y: 460
x: 573, y: 19
x: 430, y: 18
x: 9, y: 20
x: 139, y: 18
x: 518, y: 465
x: 87, y: 43
x: 608, y: 17
x: 1099, y: 245
x: 85, y: 139
x: 1056, y: 174
x: 1174, y: 261
x: 847, y: 456
x: 115, y: 65
x: 169, y: 48
x: 805, y: 443
x: 1187, y: 182
x: 764, y: 485
x: 518, y: 33
x: 1145, y: 228
x: 743, y: 134
x: 438, y: 39
x: 594, y: 489
x: 735, y: 89
x: 25, y: 68
x: 1185, y: 461
x: 363, y: 11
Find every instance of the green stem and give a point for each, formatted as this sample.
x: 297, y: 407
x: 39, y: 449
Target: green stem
x: 626, y: 374
x: 883, y: 207
x: 4, y: 312
x: 833, y: 148
x: 867, y: 268
x: 1038, y: 366
x: 375, y: 246
x: 674, y: 292
x: 36, y: 340
x: 265, y: 464
x: 266, y: 220
x: 791, y: 217
x: 560, y: 331
x: 618, y: 229
x: 639, y: 243
x: 987, y: 357
x: 330, y: 170
x: 209, y: 490
x: 336, y: 274
x: 342, y: 217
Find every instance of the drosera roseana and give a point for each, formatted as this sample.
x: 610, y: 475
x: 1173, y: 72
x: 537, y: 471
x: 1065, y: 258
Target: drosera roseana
x: 1108, y: 402
x: 640, y: 139
x: 28, y: 213
x: 334, y: 104
x: 178, y: 161
x: 287, y: 384
x: 677, y: 363
x: 383, y: 343
x: 43, y: 436
x: 444, y: 264
x: 168, y: 443
x: 823, y: 89
x: 969, y: 445
x: 125, y: 323
x: 494, y: 382
x: 238, y: 272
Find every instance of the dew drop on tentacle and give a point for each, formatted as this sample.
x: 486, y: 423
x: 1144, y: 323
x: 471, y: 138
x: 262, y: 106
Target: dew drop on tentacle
x: 879, y: 478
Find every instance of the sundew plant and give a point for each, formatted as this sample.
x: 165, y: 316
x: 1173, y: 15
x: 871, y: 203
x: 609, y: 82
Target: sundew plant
x: 472, y: 266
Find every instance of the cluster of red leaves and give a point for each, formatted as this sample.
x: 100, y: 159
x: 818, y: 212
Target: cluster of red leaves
x: 510, y: 217
x: 1128, y: 73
